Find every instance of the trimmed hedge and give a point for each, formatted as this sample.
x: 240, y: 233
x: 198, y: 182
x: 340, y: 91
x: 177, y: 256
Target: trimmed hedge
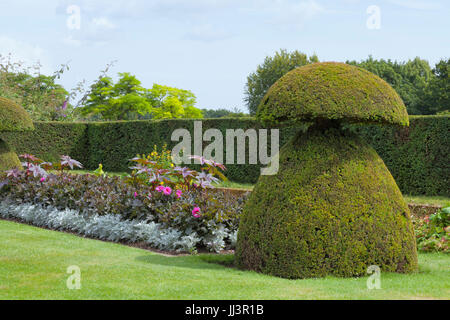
x: 129, y: 138
x: 332, y: 209
x: 50, y: 140
x: 334, y: 91
x: 13, y: 117
x: 8, y: 158
x: 416, y: 156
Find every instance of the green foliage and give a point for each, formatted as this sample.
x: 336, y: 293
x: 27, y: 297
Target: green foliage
x: 416, y: 156
x: 158, y: 171
x: 51, y: 139
x: 8, y: 158
x: 331, y: 90
x: 223, y: 113
x: 208, y: 219
x: 267, y: 73
x: 13, y: 117
x: 433, y: 232
x: 120, y: 101
x: 40, y: 95
x: 409, y: 79
x: 128, y: 100
x: 332, y: 209
x: 439, y: 88
x: 172, y: 103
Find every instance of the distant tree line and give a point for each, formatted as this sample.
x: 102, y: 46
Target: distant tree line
x: 424, y: 90
x: 223, y: 113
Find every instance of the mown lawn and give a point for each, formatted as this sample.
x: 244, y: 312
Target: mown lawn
x: 34, y: 262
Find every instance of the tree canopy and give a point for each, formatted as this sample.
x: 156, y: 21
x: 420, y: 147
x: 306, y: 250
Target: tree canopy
x: 438, y: 94
x: 38, y: 94
x: 423, y: 89
x: 410, y: 79
x: 127, y: 99
x: 267, y: 73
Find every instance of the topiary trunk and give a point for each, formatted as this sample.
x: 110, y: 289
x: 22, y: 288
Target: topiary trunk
x: 332, y: 209
x: 8, y: 158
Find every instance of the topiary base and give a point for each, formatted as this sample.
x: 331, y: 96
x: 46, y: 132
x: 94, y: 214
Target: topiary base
x: 332, y: 209
x: 8, y: 158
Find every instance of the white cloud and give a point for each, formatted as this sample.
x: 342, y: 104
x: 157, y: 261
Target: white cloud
x: 199, y: 17
x: 24, y: 52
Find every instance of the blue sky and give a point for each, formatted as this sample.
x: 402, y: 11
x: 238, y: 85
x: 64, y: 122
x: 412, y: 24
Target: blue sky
x: 210, y: 46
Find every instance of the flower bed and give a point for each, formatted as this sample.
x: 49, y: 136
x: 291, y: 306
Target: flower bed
x: 182, y: 214
x: 170, y: 209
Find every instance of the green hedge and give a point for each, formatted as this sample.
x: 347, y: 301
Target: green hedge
x: 49, y: 140
x: 113, y: 143
x: 416, y: 156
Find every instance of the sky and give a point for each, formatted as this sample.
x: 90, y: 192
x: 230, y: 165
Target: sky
x: 211, y: 46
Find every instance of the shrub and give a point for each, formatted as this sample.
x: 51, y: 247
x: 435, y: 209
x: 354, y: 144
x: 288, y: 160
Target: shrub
x: 193, y: 215
x: 433, y: 232
x: 107, y: 227
x: 51, y: 139
x: 12, y: 118
x: 416, y: 156
x: 334, y: 91
x: 329, y: 210
x: 333, y: 208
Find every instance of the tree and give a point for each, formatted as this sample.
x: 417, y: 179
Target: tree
x: 410, y: 79
x: 267, y: 73
x: 128, y: 100
x: 172, y: 103
x: 223, y: 113
x: 438, y: 94
x: 39, y: 95
x: 121, y: 101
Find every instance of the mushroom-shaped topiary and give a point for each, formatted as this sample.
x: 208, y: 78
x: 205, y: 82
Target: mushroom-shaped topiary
x: 12, y: 118
x: 333, y: 208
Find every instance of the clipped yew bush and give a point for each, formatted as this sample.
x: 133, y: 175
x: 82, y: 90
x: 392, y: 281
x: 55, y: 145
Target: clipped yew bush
x: 333, y: 208
x: 12, y: 118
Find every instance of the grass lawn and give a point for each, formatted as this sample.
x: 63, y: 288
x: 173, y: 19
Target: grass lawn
x: 441, y: 201
x: 33, y: 264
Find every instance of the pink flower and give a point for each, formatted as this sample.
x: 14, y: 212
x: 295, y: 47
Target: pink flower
x: 179, y: 193
x: 135, y: 194
x: 160, y: 188
x: 196, y: 212
x: 167, y: 191
x: 42, y: 179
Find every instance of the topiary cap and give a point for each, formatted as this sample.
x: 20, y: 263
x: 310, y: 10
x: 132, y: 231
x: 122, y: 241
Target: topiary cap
x: 333, y: 91
x: 13, y: 117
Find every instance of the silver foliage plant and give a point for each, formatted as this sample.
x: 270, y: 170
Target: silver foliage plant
x: 112, y: 228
